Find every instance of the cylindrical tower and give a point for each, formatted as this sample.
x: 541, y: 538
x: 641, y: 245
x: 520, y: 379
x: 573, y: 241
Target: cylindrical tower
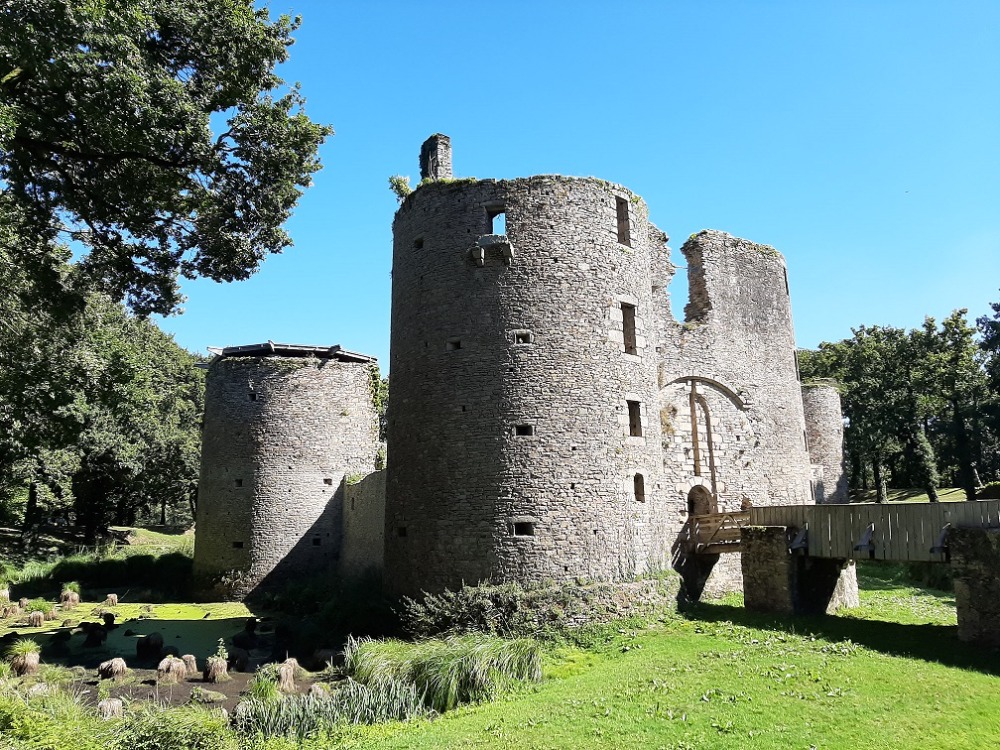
x: 284, y: 424
x: 525, y: 440
x: 825, y: 428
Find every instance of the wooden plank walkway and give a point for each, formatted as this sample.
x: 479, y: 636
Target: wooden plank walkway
x: 903, y: 532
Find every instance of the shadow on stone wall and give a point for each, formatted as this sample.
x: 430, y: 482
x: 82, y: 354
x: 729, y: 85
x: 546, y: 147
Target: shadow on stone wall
x: 938, y: 643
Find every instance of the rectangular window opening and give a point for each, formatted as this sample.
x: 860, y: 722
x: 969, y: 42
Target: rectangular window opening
x: 238, y: 482
x: 418, y: 244
x: 523, y: 337
x: 453, y: 345
x: 628, y: 327
x: 253, y: 396
x: 401, y: 531
x: 237, y: 545
x: 639, y: 485
x: 634, y: 419
x: 497, y: 220
x: 317, y: 541
x: 524, y: 429
x: 524, y: 528
x: 621, y: 209
x: 328, y: 481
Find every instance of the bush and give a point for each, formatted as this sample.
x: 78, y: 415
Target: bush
x: 990, y: 491
x: 511, y: 611
x: 47, y: 608
x: 23, y: 655
x: 52, y: 722
x: 185, y: 728
x: 448, y: 672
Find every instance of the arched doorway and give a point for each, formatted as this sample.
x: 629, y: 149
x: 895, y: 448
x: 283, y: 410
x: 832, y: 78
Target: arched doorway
x: 701, y: 502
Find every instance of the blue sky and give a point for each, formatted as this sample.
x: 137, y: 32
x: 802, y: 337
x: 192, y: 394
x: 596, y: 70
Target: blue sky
x: 861, y: 139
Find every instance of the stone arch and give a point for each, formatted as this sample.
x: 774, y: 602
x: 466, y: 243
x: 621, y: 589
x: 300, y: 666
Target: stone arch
x: 700, y: 501
x: 730, y: 392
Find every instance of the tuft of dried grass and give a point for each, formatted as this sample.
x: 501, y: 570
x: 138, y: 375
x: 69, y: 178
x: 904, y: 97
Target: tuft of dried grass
x: 112, y: 669
x: 170, y: 671
x: 111, y: 708
x: 216, y: 669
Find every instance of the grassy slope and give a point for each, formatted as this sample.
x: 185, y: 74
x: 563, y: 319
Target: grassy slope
x: 945, y: 495
x: 708, y: 682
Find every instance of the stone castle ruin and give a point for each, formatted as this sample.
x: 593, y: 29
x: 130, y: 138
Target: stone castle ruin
x: 548, y: 417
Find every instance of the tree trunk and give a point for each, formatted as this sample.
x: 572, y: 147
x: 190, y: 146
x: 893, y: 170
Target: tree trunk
x: 163, y: 510
x: 880, y: 489
x: 31, y: 508
x: 963, y: 452
x: 857, y: 470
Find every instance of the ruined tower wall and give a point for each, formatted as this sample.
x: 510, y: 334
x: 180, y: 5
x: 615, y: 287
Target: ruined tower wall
x: 280, y: 434
x: 731, y: 405
x: 737, y: 348
x: 494, y: 336
x: 825, y: 429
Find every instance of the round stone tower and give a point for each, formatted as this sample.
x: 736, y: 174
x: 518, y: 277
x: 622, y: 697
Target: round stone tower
x: 523, y: 423
x: 825, y: 428
x: 284, y: 424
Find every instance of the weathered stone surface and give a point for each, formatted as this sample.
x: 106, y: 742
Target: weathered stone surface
x: 625, y: 411
x: 825, y: 430
x: 363, y: 550
x: 768, y: 570
x: 975, y: 560
x: 779, y: 581
x: 280, y: 435
x: 549, y: 419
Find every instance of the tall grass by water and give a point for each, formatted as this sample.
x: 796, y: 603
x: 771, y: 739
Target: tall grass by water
x: 449, y: 671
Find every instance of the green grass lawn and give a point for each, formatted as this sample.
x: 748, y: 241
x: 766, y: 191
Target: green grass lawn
x: 945, y: 495
x: 888, y: 674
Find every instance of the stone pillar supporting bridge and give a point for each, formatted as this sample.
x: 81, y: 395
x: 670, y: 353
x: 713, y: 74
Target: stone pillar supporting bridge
x: 799, y: 559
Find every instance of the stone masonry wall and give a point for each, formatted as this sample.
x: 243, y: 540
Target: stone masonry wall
x: 729, y: 377
x: 280, y: 434
x: 363, y: 551
x: 493, y: 336
x: 975, y: 560
x: 825, y: 430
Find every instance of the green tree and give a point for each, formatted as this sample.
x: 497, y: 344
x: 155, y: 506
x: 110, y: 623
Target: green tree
x: 960, y: 381
x: 99, y: 414
x: 880, y: 372
x: 155, y: 134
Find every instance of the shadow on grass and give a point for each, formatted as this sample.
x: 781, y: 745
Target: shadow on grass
x: 933, y: 643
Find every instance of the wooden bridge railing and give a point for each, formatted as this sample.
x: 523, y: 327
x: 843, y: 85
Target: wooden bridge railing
x: 901, y: 532
x: 714, y: 533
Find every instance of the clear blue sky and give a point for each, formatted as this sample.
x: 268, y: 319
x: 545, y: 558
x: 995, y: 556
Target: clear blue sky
x: 861, y: 139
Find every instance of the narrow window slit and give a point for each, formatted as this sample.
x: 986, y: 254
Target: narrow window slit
x: 634, y: 419
x: 524, y: 429
x: 621, y: 211
x: 639, y: 485
x: 628, y: 327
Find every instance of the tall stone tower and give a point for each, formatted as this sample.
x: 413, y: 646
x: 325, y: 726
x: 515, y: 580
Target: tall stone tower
x: 524, y: 432
x: 284, y: 424
x: 825, y: 428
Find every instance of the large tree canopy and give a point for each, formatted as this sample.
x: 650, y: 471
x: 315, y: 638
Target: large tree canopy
x: 917, y: 403
x: 107, y: 111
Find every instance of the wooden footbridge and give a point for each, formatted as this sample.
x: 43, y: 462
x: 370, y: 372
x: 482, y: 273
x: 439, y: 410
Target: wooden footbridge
x: 901, y: 532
